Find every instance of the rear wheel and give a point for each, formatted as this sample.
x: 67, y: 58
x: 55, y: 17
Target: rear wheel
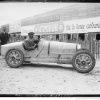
x: 14, y: 58
x: 83, y: 61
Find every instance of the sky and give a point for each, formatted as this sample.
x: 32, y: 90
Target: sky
x: 10, y: 12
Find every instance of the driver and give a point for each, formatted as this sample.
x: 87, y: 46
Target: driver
x: 29, y: 43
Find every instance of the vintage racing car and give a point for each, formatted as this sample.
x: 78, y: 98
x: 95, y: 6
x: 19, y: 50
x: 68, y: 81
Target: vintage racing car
x: 16, y: 54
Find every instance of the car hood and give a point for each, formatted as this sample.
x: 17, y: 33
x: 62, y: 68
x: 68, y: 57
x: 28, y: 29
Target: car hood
x: 15, y: 44
x: 7, y: 47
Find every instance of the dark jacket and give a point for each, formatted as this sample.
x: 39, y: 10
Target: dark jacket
x: 31, y: 44
x: 4, y: 37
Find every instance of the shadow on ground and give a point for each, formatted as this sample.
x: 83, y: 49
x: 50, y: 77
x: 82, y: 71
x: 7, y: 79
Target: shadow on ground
x: 94, y: 72
x: 48, y: 66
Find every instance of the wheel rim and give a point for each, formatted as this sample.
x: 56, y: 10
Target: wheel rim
x: 14, y: 57
x: 83, y: 62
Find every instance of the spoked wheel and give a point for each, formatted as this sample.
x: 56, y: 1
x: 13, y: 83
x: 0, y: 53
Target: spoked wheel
x: 14, y: 58
x: 83, y: 61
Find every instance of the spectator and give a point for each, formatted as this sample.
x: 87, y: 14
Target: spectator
x: 4, y: 36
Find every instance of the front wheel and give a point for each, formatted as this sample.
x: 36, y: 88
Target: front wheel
x: 83, y: 61
x: 14, y: 58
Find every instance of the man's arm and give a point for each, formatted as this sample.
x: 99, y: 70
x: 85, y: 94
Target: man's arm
x: 8, y: 36
x: 0, y: 38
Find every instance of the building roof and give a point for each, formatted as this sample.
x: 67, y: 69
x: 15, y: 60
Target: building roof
x: 76, y: 11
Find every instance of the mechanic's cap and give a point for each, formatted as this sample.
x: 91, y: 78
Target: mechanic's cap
x: 31, y: 33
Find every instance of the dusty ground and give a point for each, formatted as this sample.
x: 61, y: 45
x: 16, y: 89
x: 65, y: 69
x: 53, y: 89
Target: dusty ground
x: 37, y: 79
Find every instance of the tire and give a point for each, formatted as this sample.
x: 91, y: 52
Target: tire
x: 83, y: 61
x: 14, y: 55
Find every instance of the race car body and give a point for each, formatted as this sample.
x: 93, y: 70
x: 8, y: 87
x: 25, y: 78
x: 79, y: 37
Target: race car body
x: 16, y: 54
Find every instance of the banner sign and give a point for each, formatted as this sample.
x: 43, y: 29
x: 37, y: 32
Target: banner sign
x: 73, y: 26
x: 51, y: 28
x: 82, y: 25
x: 40, y: 29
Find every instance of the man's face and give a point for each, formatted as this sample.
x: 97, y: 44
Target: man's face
x: 4, y: 29
x: 31, y: 36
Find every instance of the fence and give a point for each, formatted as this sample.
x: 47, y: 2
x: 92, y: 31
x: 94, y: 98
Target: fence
x: 92, y: 46
x: 97, y: 49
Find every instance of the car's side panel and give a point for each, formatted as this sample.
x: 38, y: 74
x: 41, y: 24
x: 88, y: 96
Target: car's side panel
x: 47, y: 51
x: 53, y: 52
x: 40, y: 53
x: 62, y: 48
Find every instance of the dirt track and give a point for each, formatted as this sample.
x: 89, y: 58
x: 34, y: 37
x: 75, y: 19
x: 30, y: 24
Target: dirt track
x: 37, y: 79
